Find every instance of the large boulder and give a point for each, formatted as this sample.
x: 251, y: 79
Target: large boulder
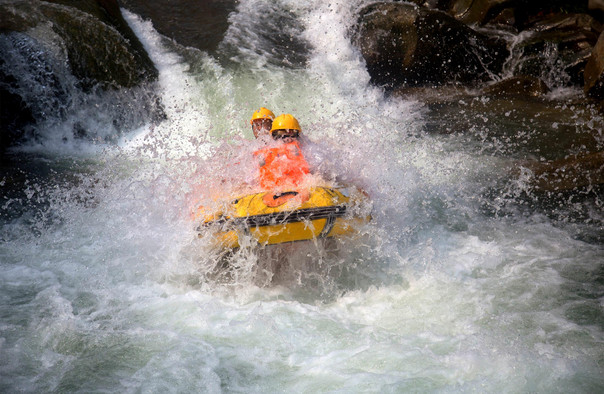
x: 403, y: 44
x: 594, y: 71
x: 98, y: 43
x: 51, y: 48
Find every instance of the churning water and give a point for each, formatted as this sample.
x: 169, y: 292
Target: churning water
x: 462, y: 281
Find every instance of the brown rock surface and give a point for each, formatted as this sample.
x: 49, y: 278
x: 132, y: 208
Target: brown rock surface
x: 477, y: 11
x: 567, y: 174
x: 594, y: 71
x: 406, y: 45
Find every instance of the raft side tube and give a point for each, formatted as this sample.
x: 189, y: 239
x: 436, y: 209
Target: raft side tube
x: 269, y: 219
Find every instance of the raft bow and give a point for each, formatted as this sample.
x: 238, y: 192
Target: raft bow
x: 295, y: 215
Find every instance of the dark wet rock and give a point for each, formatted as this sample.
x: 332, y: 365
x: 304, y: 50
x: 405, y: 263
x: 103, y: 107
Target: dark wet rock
x: 15, y: 116
x: 51, y: 49
x: 520, y: 85
x: 529, y: 12
x: 515, y: 13
x: 441, y: 5
x: 96, y: 41
x: 506, y: 18
x: 596, y: 9
x: 430, y: 95
x: 274, y: 32
x: 519, y: 127
x: 30, y: 86
x: 406, y: 45
x: 107, y: 52
x: 478, y: 11
x: 191, y: 23
x: 567, y: 174
x: 558, y: 47
x: 274, y: 35
x: 582, y: 22
x: 594, y: 71
x: 98, y: 44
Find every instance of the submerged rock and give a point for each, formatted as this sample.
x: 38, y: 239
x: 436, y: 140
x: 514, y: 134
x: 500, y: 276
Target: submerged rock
x: 520, y: 85
x: 406, y: 45
x: 567, y: 174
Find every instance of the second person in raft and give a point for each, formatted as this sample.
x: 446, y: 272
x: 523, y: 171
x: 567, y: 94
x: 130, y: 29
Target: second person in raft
x: 281, y: 164
x: 262, y: 121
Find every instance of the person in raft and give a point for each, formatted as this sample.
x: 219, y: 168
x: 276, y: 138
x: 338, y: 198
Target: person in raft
x: 262, y: 122
x: 281, y: 164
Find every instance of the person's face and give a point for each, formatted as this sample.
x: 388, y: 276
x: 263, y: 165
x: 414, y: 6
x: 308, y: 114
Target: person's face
x: 286, y: 135
x: 261, y: 126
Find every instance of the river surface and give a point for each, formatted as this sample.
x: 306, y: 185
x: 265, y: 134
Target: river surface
x: 464, y: 281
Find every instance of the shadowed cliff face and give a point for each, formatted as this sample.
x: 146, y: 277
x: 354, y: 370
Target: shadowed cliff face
x: 193, y: 23
x: 230, y: 30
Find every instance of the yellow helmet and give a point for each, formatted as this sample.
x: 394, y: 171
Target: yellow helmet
x: 285, y: 121
x: 262, y: 113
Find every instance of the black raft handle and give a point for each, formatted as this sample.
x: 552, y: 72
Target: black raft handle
x: 279, y: 195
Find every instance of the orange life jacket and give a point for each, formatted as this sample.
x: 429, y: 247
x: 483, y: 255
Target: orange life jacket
x: 281, y: 167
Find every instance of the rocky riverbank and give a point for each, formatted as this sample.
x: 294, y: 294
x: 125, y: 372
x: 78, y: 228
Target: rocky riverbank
x: 447, y: 51
x: 468, y: 43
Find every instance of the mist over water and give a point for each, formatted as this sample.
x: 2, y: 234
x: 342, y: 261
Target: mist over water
x: 463, y: 281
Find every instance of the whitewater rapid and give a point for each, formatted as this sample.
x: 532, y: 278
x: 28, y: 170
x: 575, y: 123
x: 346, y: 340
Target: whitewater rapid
x: 105, y: 285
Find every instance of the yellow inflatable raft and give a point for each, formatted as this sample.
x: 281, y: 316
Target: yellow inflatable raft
x: 296, y: 215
